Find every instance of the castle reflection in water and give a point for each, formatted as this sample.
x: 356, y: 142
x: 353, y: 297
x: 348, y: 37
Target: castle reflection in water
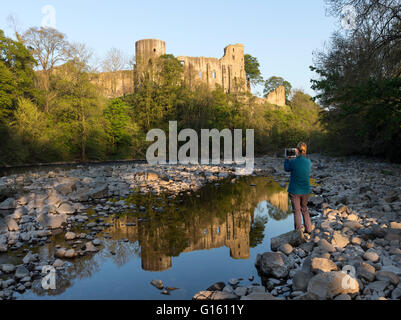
x: 214, y: 219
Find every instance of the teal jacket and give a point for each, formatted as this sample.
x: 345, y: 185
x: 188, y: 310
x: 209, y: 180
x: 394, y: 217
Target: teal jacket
x: 300, y: 169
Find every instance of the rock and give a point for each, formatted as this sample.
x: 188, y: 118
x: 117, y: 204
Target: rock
x: 388, y: 276
x: 371, y: 256
x: 259, y: 296
x: 396, y: 294
x: 8, y: 204
x: 307, y: 296
x: 392, y: 269
x: 234, y: 281
x: 58, y: 263
x: 158, y: 284
x: 30, y: 258
x: 70, y: 236
x: 203, y: 295
x: 66, y: 208
x: 331, y: 284
x: 367, y: 271
x: 220, y: 295
x: 325, y: 246
x: 240, y: 291
x: 395, y: 225
x: 378, y: 286
x: 89, y: 247
x: 343, y: 297
x: 218, y: 286
x: 12, y: 225
x: 60, y: 253
x: 69, y: 254
x: 301, y: 280
x: 51, y: 221
x: 339, y: 240
x: 353, y: 225
x: 294, y: 238
x: 99, y: 192
x: 273, y: 263
x: 286, y: 248
x: 323, y: 265
x: 7, y: 268
x: 97, y: 242
x: 21, y: 272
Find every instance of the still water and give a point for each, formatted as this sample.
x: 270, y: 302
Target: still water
x: 194, y: 241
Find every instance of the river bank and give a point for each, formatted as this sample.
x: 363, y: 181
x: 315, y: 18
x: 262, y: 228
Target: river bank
x: 354, y: 250
x: 357, y: 202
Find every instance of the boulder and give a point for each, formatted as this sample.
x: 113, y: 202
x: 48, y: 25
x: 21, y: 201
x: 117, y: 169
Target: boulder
x: 66, y: 208
x: 301, y: 280
x: 340, y: 240
x: 323, y: 265
x: 99, y: 192
x: 8, y: 204
x: 294, y: 238
x: 273, y: 264
x: 70, y: 236
x: 367, y: 271
x: 51, y: 221
x: 331, y: 284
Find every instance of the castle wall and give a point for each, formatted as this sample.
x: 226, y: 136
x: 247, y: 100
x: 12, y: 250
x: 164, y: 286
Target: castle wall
x: 228, y: 72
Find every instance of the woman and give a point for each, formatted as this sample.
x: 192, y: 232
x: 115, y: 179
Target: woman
x: 299, y: 188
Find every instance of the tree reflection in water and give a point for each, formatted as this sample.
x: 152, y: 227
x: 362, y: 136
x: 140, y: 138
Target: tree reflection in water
x: 233, y: 215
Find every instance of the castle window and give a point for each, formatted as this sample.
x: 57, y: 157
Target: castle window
x: 154, y: 50
x: 182, y: 63
x: 200, y: 74
x: 214, y: 74
x: 233, y: 57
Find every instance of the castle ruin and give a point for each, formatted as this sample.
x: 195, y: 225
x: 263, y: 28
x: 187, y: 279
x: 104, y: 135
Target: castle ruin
x: 227, y: 72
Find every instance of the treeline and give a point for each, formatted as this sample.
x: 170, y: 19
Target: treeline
x: 359, y: 80
x: 50, y: 110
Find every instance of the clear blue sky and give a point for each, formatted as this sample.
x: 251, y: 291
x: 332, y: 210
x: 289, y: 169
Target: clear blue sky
x: 282, y: 34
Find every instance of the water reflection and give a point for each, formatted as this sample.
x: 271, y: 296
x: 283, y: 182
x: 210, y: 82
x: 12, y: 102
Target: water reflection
x: 232, y: 215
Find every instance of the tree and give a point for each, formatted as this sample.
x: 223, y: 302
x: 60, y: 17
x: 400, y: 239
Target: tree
x: 273, y: 83
x: 252, y: 70
x: 359, y: 76
x: 78, y: 110
x: 120, y: 128
x: 16, y: 75
x: 50, y: 48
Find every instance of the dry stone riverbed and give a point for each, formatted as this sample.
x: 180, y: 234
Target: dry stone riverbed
x: 135, y: 231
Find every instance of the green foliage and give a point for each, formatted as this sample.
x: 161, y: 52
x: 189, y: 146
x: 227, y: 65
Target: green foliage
x: 274, y: 82
x: 252, y: 70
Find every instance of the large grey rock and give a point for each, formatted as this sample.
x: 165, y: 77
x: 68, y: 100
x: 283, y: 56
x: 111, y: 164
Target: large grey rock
x: 220, y: 295
x: 51, y: 221
x: 7, y: 268
x: 301, y: 280
x: 294, y: 238
x: 274, y: 264
x: 8, y: 204
x: 331, y: 284
x: 99, y: 192
x: 367, y: 271
x: 21, y: 272
x: 66, y: 208
x: 390, y: 276
x: 378, y: 286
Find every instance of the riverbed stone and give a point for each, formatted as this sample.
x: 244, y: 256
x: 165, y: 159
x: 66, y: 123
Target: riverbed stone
x: 367, y: 271
x: 21, y: 272
x: 323, y: 265
x: 8, y: 204
x: 7, y: 268
x: 294, y: 238
x: 330, y: 284
x: 259, y: 296
x: 273, y: 264
x: 70, y: 236
x: 371, y: 256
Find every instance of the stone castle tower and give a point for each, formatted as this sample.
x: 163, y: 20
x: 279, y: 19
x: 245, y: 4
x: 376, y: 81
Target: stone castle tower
x: 227, y: 72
